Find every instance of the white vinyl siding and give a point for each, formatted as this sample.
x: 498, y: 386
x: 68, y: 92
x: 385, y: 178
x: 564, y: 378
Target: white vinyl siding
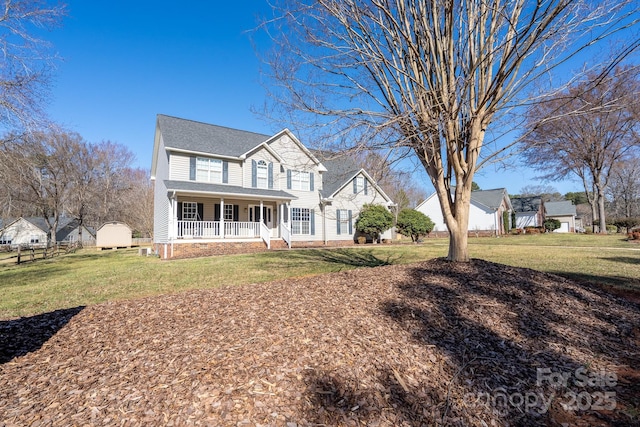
x: 178, y: 167
x: 161, y: 203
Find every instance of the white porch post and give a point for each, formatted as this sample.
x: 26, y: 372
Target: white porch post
x: 173, y: 228
x: 261, y: 207
x: 221, y: 218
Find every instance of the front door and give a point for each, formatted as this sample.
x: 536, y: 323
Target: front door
x: 267, y: 215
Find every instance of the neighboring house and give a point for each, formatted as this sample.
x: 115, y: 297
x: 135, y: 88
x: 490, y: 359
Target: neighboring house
x: 33, y: 231
x: 529, y: 211
x: 565, y: 212
x: 220, y: 190
x: 114, y: 234
x: 485, y: 212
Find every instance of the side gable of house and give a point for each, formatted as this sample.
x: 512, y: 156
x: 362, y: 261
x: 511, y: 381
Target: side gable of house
x: 23, y: 232
x: 485, y: 206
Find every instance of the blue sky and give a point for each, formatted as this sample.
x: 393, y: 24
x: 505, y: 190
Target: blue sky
x: 125, y: 62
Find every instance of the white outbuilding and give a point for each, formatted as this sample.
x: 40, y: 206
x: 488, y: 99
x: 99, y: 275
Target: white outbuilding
x: 113, y: 234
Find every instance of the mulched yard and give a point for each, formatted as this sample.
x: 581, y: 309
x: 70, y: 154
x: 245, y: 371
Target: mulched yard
x: 432, y: 343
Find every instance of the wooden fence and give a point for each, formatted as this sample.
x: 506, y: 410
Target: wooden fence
x: 24, y: 253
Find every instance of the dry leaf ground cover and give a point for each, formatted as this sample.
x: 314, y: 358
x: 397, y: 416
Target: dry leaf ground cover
x: 431, y: 343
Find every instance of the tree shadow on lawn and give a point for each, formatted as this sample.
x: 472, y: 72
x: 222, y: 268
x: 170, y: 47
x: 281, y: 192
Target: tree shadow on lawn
x: 625, y: 287
x: 27, y: 334
x: 345, y: 257
x: 624, y: 259
x: 493, y: 327
x: 31, y: 273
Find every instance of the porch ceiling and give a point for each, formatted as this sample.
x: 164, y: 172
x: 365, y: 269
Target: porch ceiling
x: 223, y: 190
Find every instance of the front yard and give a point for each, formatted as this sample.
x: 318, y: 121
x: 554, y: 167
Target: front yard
x: 90, y: 277
x: 402, y: 344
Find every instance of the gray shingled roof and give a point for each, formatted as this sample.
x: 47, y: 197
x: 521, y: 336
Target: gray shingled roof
x: 225, y: 189
x: 201, y: 137
x: 340, y: 169
x: 564, y: 207
x: 526, y: 204
x: 490, y: 198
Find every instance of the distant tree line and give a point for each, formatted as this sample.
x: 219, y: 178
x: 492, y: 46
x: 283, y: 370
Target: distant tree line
x: 56, y: 173
x: 591, y: 131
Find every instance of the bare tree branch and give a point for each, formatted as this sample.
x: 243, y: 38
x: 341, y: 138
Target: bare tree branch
x: 430, y: 77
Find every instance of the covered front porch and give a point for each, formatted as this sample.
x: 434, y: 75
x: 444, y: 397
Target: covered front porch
x: 199, y: 218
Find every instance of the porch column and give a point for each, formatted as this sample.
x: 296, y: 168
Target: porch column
x: 221, y: 218
x: 173, y: 227
x: 261, y: 207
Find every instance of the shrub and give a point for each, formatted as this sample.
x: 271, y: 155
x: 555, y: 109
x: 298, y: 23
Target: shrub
x: 634, y: 235
x: 374, y: 220
x: 533, y: 230
x: 414, y: 224
x: 612, y: 229
x: 626, y: 223
x: 551, y: 224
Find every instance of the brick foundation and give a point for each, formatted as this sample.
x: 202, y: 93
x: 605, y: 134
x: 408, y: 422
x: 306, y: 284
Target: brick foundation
x: 204, y: 249
x: 195, y: 250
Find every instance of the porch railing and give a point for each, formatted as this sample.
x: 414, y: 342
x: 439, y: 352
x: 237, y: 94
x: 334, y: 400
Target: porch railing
x: 286, y: 233
x: 204, y: 229
x: 265, y: 234
x: 241, y: 229
x: 211, y: 229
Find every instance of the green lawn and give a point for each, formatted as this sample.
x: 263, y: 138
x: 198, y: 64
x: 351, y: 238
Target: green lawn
x: 89, y: 276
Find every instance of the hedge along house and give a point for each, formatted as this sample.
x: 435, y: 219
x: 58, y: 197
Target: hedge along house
x: 220, y: 190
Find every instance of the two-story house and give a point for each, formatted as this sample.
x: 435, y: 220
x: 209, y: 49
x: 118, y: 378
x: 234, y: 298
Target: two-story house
x: 220, y: 190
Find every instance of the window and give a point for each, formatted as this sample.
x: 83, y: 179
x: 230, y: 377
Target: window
x: 5, y: 240
x: 300, y: 221
x: 300, y: 181
x: 208, y: 170
x: 344, y: 221
x: 262, y: 174
x: 35, y: 239
x: 190, y: 211
x: 228, y: 212
x: 358, y: 185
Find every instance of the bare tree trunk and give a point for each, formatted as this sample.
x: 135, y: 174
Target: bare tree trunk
x: 594, y: 215
x: 602, y: 221
x: 459, y: 236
